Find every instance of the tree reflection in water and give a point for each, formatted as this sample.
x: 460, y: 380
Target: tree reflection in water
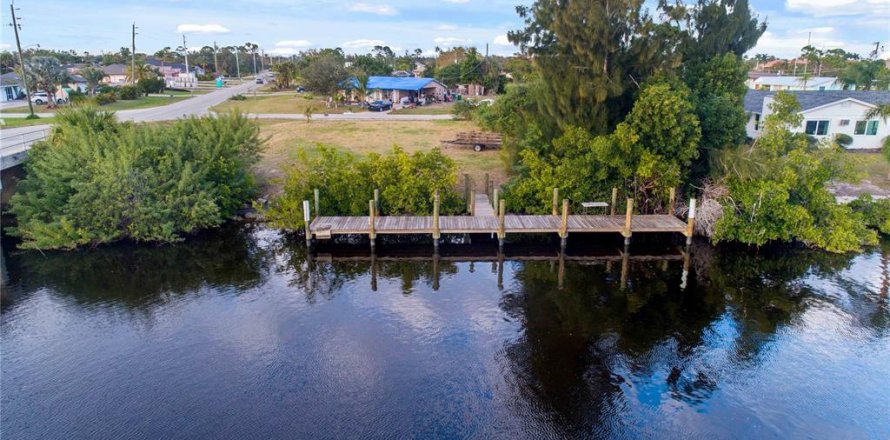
x: 599, y: 335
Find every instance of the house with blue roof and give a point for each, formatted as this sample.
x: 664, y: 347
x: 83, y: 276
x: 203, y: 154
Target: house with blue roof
x: 395, y: 88
x: 827, y: 114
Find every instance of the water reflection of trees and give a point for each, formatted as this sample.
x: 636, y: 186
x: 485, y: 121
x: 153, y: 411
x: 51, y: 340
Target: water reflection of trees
x: 581, y: 343
x: 140, y: 275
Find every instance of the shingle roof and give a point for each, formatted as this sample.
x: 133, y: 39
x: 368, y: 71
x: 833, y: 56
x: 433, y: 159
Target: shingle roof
x: 115, y: 69
x: 10, y: 79
x: 812, y: 98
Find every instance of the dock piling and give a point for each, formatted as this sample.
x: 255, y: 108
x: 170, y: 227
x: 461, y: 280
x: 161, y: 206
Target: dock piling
x: 614, y: 200
x: 564, y: 224
x: 372, y: 232
x: 502, y: 234
x: 377, y: 201
x: 627, y: 221
x: 690, y: 223
x: 436, y: 232
x: 317, y: 205
x: 306, y: 221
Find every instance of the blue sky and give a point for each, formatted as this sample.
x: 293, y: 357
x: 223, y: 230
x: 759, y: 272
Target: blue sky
x: 286, y: 26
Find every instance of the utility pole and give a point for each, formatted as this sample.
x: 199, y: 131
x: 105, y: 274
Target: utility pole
x: 133, y: 55
x: 215, y: 60
x: 185, y: 51
x: 262, y: 65
x: 237, y: 62
x: 15, y: 26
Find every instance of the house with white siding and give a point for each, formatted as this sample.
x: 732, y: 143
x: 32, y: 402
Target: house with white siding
x: 827, y: 114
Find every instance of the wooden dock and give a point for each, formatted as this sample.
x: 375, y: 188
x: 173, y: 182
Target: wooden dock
x: 486, y: 220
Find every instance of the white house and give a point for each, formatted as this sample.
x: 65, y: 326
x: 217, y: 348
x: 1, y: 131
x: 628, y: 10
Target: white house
x: 11, y: 86
x: 776, y: 83
x: 827, y: 114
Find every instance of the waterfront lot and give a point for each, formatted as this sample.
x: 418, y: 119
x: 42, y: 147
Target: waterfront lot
x: 287, y: 138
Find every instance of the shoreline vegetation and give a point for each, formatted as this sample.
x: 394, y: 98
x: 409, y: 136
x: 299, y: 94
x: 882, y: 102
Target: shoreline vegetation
x: 656, y: 110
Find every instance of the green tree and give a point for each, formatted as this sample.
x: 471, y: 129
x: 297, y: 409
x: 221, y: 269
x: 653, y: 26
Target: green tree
x: 866, y: 75
x: 361, y: 85
x: 285, y: 73
x: 46, y: 73
x: 93, y: 77
x: 777, y: 189
x: 371, y: 65
x: 143, y: 71
x: 96, y: 180
x: 325, y: 74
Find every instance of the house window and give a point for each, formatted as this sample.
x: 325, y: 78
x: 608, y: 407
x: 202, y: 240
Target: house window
x: 844, y: 122
x: 818, y: 128
x: 868, y: 128
x: 756, y: 121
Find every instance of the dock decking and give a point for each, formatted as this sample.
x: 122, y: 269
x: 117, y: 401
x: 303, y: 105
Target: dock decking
x: 485, y: 220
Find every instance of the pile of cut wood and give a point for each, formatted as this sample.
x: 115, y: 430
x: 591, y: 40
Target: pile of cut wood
x: 478, y: 140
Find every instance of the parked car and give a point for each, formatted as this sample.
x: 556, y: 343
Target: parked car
x: 41, y: 98
x: 380, y: 105
x: 259, y: 80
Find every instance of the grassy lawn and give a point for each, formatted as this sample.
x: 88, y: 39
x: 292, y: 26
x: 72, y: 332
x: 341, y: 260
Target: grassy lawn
x: 142, y: 102
x: 295, y: 104
x: 434, y: 109
x: 22, y: 122
x: 287, y: 138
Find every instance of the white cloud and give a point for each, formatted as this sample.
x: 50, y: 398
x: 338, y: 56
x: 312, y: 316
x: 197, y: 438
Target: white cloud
x: 282, y: 51
x: 361, y: 44
x: 201, y: 29
x: 833, y: 8
x: 457, y: 1
x: 449, y: 41
x: 374, y: 9
x: 446, y: 27
x: 788, y: 45
x: 293, y: 43
x: 501, y: 40
x: 5, y: 46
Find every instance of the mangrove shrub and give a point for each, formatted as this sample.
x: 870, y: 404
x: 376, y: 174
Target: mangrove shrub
x: 97, y: 180
x: 407, y: 183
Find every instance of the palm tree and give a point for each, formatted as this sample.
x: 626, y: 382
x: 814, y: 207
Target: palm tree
x: 143, y: 71
x: 284, y: 73
x: 94, y: 78
x: 47, y: 74
x: 881, y: 111
x: 361, y: 86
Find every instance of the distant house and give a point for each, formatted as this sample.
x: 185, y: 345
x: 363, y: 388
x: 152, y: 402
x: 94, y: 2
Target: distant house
x: 402, y: 74
x: 11, y: 86
x: 78, y: 83
x: 115, y: 74
x: 419, y: 69
x: 776, y: 83
x: 395, y: 88
x: 827, y: 114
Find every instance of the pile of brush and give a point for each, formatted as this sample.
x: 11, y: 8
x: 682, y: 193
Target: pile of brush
x: 709, y: 208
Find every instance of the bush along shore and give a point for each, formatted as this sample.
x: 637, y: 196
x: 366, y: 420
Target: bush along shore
x: 97, y: 180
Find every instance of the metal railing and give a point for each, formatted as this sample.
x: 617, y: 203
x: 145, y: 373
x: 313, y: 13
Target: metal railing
x: 21, y: 141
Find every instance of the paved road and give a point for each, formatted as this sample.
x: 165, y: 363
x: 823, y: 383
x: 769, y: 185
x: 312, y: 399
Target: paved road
x: 363, y: 116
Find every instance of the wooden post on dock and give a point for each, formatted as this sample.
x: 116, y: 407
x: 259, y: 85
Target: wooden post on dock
x: 627, y: 221
x: 372, y: 233
x: 671, y: 198
x: 317, y: 205
x: 690, y: 223
x: 436, y: 233
x: 564, y: 224
x: 377, y: 201
x: 494, y: 200
x: 614, y: 199
x: 502, y: 233
x: 306, y: 221
x: 554, y: 205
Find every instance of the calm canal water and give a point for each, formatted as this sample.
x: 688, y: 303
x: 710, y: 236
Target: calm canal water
x: 237, y: 334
